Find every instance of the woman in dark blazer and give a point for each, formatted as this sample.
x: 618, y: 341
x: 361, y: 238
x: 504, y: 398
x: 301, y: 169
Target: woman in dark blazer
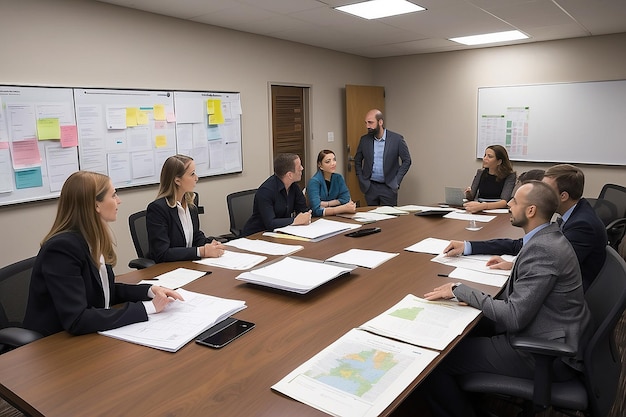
x: 172, y: 219
x: 493, y: 184
x: 72, y: 286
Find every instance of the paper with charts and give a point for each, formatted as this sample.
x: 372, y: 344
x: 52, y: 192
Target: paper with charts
x: 318, y: 230
x: 431, y: 324
x: 358, y: 375
x: 179, y: 323
x: 294, y: 274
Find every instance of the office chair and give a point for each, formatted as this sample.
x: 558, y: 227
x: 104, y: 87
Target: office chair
x: 139, y: 234
x: 595, y: 391
x: 14, y: 287
x: 605, y: 210
x: 240, y: 206
x: 616, y: 194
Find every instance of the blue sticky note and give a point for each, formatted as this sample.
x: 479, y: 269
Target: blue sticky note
x: 28, y: 178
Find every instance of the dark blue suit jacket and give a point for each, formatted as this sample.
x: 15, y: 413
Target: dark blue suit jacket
x: 273, y: 206
x: 166, y: 235
x: 585, y: 232
x: 66, y: 291
x: 395, y: 147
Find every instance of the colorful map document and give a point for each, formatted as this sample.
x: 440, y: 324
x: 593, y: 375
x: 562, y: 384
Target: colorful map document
x: 431, y: 324
x: 358, y: 375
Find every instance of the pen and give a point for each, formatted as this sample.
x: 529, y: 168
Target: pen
x: 442, y: 275
x: 208, y: 273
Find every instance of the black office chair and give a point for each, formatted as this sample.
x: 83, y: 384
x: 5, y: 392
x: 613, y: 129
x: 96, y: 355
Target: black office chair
x: 616, y: 194
x: 239, y: 206
x: 606, y: 210
x: 139, y: 234
x: 595, y: 391
x: 14, y: 287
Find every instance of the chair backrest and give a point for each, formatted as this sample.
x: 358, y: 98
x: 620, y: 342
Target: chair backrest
x: 139, y: 233
x: 606, y: 298
x: 616, y: 194
x: 14, y: 287
x: 606, y: 210
x: 239, y: 209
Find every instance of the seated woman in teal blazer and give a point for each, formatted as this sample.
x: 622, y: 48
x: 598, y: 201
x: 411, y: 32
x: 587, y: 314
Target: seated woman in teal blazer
x: 327, y: 191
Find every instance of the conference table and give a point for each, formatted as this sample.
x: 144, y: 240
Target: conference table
x: 94, y: 375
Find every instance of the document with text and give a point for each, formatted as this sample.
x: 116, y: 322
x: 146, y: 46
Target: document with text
x: 430, y: 324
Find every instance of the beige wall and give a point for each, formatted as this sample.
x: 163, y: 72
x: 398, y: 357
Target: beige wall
x: 431, y: 99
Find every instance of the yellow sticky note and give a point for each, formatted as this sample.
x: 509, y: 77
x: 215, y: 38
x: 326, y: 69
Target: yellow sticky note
x: 142, y: 118
x: 210, y: 106
x: 160, y: 141
x: 131, y: 116
x: 218, y: 116
x: 48, y: 129
x: 159, y: 112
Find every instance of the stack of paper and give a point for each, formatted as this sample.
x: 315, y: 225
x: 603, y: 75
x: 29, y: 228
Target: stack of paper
x: 362, y: 257
x: 394, y: 211
x: 358, y: 375
x: 318, y: 230
x: 474, y: 268
x: 176, y: 278
x: 431, y: 324
x: 429, y: 245
x: 179, y: 323
x: 294, y: 274
x: 368, y: 217
x: 467, y: 216
x: 263, y: 246
x: 233, y: 260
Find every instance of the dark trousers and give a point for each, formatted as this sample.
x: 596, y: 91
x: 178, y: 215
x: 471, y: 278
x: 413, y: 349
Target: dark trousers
x: 477, y: 354
x: 379, y: 194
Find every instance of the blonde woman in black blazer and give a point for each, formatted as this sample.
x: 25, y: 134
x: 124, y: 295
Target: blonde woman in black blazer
x: 72, y: 286
x: 169, y: 239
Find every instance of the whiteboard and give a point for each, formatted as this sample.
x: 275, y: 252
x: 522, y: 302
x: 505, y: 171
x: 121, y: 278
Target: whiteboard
x: 563, y: 123
x: 47, y: 133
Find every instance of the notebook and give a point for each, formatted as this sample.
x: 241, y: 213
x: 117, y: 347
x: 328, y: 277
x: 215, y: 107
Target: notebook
x: 454, y: 196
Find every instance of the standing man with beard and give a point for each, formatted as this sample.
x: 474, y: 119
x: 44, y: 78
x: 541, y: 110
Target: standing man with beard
x: 381, y: 161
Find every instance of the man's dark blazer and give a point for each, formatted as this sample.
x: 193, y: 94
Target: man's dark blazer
x: 395, y: 147
x: 66, y: 291
x: 584, y: 230
x: 166, y: 236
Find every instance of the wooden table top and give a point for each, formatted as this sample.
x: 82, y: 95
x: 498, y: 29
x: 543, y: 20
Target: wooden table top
x: 63, y: 375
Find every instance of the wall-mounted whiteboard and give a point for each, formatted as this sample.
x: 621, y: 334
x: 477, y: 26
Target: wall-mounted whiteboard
x: 47, y: 133
x: 569, y: 122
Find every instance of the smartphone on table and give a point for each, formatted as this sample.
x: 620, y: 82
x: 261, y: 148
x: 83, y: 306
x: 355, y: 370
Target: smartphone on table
x: 224, y: 332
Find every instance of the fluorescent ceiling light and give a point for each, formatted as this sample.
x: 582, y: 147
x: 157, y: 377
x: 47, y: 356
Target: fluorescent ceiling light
x: 511, y: 35
x: 375, y: 9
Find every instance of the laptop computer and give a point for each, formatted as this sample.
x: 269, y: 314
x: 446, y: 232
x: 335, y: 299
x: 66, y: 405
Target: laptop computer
x: 454, y: 196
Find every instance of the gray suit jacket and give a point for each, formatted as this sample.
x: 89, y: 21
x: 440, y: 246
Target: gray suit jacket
x: 543, y: 296
x: 395, y: 148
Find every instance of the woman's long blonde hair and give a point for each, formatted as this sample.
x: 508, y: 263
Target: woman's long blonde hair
x: 76, y: 212
x: 174, y: 167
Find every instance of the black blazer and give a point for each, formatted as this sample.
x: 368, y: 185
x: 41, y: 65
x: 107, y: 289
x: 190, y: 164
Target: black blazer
x: 66, y: 291
x: 166, y: 236
x: 585, y: 232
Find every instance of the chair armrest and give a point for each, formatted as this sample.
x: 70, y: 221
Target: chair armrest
x: 140, y: 263
x: 16, y: 336
x: 539, y: 346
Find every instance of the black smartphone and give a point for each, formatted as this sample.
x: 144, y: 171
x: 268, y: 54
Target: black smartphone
x: 224, y: 332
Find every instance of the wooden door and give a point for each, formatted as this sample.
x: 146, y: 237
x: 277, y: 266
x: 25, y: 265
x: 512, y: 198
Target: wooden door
x: 359, y: 100
x: 289, y: 124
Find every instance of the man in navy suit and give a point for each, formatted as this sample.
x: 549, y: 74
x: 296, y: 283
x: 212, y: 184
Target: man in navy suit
x: 377, y: 162
x: 580, y: 225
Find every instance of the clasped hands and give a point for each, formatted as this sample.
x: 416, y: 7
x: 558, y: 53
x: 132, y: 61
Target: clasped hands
x: 212, y: 250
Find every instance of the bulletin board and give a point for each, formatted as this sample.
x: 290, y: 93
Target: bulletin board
x: 563, y: 123
x: 46, y: 133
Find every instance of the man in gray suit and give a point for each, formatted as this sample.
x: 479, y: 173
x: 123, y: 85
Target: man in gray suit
x: 543, y: 297
x: 376, y: 162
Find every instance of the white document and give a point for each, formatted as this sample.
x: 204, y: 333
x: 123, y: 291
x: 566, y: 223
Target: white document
x: 430, y: 245
x: 294, y: 274
x: 369, y: 217
x: 485, y: 278
x: 175, y: 279
x: 263, y: 246
x: 414, y: 208
x: 179, y: 323
x: 318, y: 230
x: 233, y: 260
x: 430, y: 324
x: 362, y: 257
x: 358, y: 375
x: 473, y: 262
x: 467, y: 216
x: 388, y: 210
x: 497, y: 211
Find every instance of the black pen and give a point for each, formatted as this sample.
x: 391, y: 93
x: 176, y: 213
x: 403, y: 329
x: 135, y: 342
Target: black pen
x: 442, y: 275
x: 208, y: 273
